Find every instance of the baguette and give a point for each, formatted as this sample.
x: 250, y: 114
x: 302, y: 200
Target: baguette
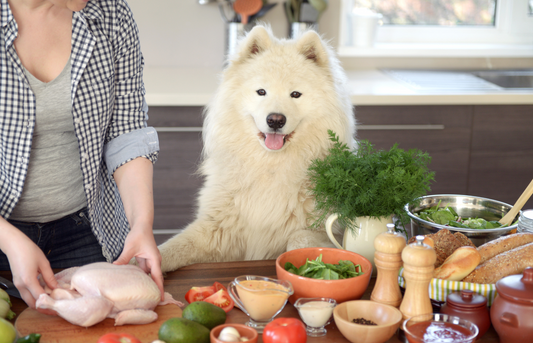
x: 459, y: 264
x: 502, y: 244
x: 507, y: 263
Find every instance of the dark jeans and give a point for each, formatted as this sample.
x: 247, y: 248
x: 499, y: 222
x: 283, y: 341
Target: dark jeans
x: 66, y: 242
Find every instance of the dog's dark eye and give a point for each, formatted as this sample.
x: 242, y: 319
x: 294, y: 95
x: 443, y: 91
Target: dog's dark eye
x: 261, y: 92
x: 296, y: 94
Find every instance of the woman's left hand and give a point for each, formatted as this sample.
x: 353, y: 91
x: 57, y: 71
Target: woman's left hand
x: 134, y: 181
x: 140, y: 243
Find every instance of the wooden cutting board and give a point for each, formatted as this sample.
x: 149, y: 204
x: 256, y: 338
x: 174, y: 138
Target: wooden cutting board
x: 57, y: 330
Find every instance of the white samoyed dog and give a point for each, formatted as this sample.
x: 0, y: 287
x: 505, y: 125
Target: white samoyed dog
x: 268, y: 120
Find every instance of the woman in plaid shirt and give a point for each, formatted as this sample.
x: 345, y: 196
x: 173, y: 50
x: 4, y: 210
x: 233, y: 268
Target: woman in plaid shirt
x: 75, y: 151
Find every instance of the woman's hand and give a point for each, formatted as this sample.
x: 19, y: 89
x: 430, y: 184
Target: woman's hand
x: 140, y: 244
x: 27, y: 262
x: 134, y: 181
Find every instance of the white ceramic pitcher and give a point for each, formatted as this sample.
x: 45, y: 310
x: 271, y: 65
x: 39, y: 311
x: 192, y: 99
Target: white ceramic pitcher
x: 361, y: 239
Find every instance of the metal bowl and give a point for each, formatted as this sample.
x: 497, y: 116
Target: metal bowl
x: 466, y: 206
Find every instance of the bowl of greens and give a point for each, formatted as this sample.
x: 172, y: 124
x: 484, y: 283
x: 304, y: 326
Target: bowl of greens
x: 475, y: 217
x: 324, y: 273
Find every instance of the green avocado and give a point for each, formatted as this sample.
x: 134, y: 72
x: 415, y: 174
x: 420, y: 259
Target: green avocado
x: 205, y: 313
x: 181, y: 330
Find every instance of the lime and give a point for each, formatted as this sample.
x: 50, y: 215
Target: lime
x: 7, y: 331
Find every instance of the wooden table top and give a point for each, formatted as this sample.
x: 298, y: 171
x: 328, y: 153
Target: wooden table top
x: 179, y: 282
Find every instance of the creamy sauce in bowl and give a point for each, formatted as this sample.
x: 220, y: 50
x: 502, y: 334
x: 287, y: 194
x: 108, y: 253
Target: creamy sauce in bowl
x: 316, y: 313
x: 262, y: 299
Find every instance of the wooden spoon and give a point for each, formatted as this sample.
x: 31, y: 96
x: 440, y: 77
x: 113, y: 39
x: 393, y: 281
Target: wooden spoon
x: 246, y: 8
x: 509, y: 217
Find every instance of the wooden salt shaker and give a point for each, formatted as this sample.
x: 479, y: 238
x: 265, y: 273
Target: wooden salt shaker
x: 388, y: 260
x: 418, y: 265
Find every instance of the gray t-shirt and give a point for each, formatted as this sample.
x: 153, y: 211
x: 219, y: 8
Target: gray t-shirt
x: 54, y: 184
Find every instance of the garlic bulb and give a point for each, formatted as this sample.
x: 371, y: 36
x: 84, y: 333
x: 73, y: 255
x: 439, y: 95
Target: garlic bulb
x: 229, y: 334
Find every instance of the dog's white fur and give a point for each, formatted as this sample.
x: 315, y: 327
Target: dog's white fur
x: 255, y: 202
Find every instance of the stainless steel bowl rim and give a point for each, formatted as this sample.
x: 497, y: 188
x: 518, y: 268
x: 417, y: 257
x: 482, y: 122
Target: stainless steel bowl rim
x: 494, y: 231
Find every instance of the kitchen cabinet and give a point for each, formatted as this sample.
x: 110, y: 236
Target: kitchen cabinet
x: 175, y: 180
x: 501, y: 160
x: 475, y: 149
x: 442, y: 131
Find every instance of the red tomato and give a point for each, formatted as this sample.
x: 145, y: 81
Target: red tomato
x: 218, y: 286
x: 118, y: 338
x: 199, y: 293
x: 221, y: 299
x: 285, y: 330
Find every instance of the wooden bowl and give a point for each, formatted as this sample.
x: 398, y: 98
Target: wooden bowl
x: 387, y: 318
x: 244, y: 331
x: 340, y: 290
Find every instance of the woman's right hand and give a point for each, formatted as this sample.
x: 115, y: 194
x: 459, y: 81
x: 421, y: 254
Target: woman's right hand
x: 27, y: 262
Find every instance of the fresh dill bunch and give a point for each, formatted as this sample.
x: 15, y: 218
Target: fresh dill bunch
x: 367, y: 182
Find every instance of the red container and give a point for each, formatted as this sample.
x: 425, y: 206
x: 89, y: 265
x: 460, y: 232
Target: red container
x: 512, y: 310
x: 470, y: 306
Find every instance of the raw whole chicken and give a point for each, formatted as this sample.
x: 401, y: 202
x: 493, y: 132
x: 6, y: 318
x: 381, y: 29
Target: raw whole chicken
x: 89, y: 294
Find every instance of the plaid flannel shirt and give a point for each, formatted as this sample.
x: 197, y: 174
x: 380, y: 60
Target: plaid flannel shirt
x: 108, y: 108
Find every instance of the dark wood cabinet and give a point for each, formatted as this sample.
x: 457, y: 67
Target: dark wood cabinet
x: 476, y: 150
x: 176, y: 183
x: 442, y: 131
x: 501, y: 160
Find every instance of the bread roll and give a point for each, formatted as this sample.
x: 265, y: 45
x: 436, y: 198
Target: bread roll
x: 507, y: 263
x: 459, y: 264
x: 465, y: 241
x: 502, y: 244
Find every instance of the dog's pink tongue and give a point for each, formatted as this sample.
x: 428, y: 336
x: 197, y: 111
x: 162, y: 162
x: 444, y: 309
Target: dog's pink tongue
x: 274, y: 141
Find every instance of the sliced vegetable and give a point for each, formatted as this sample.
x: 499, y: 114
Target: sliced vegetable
x: 199, y: 293
x: 218, y: 286
x: 317, y: 269
x: 221, y: 299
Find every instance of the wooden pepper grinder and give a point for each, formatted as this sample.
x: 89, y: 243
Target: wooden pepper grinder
x: 418, y: 265
x: 388, y: 260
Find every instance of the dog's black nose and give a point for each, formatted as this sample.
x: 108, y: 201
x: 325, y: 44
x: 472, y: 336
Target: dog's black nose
x: 276, y: 120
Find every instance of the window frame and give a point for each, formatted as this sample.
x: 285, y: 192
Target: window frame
x: 511, y: 36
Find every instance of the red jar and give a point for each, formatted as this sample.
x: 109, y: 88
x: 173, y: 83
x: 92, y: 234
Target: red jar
x: 512, y: 310
x: 470, y: 306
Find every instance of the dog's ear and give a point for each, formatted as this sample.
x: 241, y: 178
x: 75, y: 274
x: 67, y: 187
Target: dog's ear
x: 310, y: 45
x: 257, y: 41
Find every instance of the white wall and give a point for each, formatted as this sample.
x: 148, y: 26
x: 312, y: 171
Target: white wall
x: 182, y: 33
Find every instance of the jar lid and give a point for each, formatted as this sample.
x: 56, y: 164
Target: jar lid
x: 466, y: 299
x: 518, y: 288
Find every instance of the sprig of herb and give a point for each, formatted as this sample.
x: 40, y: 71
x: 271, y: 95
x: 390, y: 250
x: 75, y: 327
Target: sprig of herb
x: 317, y: 269
x: 368, y: 182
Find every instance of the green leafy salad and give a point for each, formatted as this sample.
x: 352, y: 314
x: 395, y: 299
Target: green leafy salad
x: 317, y: 269
x: 448, y: 216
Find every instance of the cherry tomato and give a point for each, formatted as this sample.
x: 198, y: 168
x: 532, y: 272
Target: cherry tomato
x: 221, y: 299
x: 285, y: 330
x: 118, y: 338
x: 218, y: 286
x: 199, y: 293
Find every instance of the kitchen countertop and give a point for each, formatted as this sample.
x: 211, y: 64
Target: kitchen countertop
x: 180, y: 281
x: 195, y: 87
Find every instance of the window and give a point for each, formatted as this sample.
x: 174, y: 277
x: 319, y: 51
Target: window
x: 436, y: 12
x: 487, y: 28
